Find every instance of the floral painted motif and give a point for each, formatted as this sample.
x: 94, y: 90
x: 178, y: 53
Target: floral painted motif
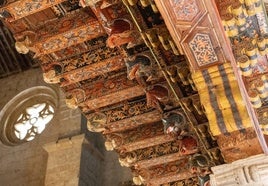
x: 185, y: 10
x: 23, y: 8
x: 68, y: 39
x: 202, y: 49
x: 127, y: 110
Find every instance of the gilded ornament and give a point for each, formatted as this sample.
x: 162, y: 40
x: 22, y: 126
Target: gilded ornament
x: 259, y: 84
x: 251, y: 52
x: 145, y: 3
x: 244, y: 64
x: 254, y: 98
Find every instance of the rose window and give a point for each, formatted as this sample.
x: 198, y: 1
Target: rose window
x: 33, y: 120
x: 27, y: 115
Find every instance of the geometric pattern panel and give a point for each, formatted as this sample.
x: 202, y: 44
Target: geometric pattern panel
x: 185, y: 10
x: 202, y: 49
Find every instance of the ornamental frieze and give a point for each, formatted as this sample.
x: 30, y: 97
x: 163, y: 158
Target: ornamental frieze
x: 23, y: 8
x: 68, y: 39
x: 104, y: 92
x: 71, y: 21
x: 112, y: 98
x: 104, y: 87
x: 62, y: 33
x: 79, y: 56
x: 166, y: 172
x: 147, y: 142
x: 184, y: 146
x: 87, y: 82
x: 190, y: 181
x: 81, y: 48
x: 134, y: 121
x: 87, y: 72
x: 234, y: 140
x: 127, y: 110
x: 88, y: 58
x: 140, y: 137
x: 139, y: 133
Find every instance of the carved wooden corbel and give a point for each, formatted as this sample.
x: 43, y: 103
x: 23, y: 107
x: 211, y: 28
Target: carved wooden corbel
x: 75, y: 97
x: 120, y: 31
x: 71, y: 102
x: 183, y: 72
x: 200, y: 165
x: 50, y: 77
x: 113, y: 141
x: 157, y: 96
x: 25, y: 42
x: 138, y: 180
x: 175, y: 124
x: 96, y: 122
x: 189, y: 77
x: 262, y: 114
x: 140, y: 67
x: 127, y: 159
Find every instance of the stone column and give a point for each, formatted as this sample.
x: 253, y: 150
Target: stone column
x: 251, y: 171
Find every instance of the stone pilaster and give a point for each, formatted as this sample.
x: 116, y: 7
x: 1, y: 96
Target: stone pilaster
x: 251, y: 171
x: 63, y: 164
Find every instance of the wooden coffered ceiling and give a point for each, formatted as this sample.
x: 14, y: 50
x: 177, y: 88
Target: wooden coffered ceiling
x: 138, y: 69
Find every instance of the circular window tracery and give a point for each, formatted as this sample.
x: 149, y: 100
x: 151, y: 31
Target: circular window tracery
x: 27, y: 115
x: 33, y: 120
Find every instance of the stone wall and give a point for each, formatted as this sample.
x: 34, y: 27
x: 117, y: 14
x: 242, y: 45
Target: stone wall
x: 26, y: 164
x: 91, y: 166
x: 114, y: 174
